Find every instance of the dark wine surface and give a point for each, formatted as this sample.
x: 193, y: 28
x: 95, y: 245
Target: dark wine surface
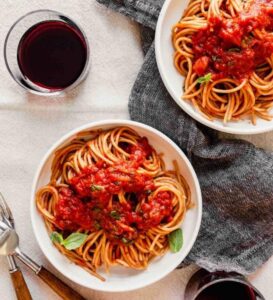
x: 52, y: 54
x: 227, y: 290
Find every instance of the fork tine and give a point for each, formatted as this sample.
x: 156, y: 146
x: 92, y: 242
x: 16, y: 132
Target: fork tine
x: 5, y: 210
x: 4, y: 234
x: 4, y: 225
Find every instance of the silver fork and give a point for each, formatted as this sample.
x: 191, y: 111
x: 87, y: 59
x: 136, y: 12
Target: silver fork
x: 9, y: 244
x: 20, y: 286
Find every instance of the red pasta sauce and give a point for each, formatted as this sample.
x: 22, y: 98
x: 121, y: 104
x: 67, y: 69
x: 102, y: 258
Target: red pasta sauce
x: 228, y: 47
x: 91, y: 202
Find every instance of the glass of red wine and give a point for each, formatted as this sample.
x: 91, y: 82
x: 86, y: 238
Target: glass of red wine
x: 46, y: 52
x: 204, y: 285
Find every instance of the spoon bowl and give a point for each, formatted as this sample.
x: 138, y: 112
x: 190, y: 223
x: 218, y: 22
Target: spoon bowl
x: 9, y: 241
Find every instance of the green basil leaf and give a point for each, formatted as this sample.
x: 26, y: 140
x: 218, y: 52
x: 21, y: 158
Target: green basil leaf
x: 56, y: 237
x: 176, y: 240
x: 95, y: 187
x: 74, y: 240
x: 114, y: 214
x: 205, y: 78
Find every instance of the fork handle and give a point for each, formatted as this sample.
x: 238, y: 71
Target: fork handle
x: 20, y: 286
x: 63, y: 290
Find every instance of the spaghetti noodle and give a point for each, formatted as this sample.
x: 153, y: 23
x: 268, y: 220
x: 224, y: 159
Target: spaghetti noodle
x: 113, y: 186
x: 224, y: 49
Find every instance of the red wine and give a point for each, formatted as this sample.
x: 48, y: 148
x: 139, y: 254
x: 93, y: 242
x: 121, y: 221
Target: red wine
x: 227, y: 290
x: 52, y: 54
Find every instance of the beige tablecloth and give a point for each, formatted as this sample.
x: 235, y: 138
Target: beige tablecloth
x: 30, y: 124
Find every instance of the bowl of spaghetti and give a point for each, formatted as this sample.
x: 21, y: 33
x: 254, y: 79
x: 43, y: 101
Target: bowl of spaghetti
x: 115, y: 205
x: 215, y: 59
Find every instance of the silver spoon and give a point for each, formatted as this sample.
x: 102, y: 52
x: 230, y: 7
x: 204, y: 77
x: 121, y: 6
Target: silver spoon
x: 9, y: 245
x: 20, y: 286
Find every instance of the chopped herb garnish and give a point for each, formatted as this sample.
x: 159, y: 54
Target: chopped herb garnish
x: 234, y: 50
x: 126, y: 241
x: 214, y: 57
x: 205, y: 78
x: 246, y: 41
x: 97, y: 225
x: 114, y: 214
x: 95, y: 187
x: 148, y: 192
x: 96, y: 209
x: 230, y: 63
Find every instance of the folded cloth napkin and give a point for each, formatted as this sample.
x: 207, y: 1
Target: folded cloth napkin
x: 236, y: 178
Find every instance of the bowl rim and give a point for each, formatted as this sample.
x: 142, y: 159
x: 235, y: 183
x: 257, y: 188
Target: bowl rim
x: 244, y: 130
x: 114, y: 122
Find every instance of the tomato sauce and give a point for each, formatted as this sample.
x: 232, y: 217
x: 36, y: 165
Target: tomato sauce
x: 91, y: 202
x: 228, y: 48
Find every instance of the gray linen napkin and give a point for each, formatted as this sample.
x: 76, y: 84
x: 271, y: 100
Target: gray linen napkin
x: 236, y: 178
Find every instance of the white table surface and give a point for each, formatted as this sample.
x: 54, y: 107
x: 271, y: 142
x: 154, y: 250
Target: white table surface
x: 30, y: 124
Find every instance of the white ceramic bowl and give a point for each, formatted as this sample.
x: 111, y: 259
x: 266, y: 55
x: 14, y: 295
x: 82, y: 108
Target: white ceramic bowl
x: 170, y: 14
x: 120, y: 278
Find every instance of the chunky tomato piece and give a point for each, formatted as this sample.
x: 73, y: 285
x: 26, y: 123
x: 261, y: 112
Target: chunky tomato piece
x: 231, y: 32
x: 201, y: 64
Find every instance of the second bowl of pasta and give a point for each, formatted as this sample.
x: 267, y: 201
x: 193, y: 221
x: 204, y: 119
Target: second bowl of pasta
x: 215, y: 60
